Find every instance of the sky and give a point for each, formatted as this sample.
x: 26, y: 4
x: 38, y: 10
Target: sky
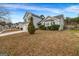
x: 17, y: 10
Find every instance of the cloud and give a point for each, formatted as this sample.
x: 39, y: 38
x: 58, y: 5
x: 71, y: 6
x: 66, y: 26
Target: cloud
x: 69, y: 9
x: 74, y: 9
x: 16, y: 16
x: 25, y: 7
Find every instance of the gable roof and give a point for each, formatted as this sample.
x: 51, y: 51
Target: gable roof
x: 31, y: 14
x: 46, y: 18
x: 59, y: 16
x: 53, y: 18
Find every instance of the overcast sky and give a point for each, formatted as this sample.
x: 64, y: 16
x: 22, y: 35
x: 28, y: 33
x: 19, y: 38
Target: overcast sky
x: 18, y: 10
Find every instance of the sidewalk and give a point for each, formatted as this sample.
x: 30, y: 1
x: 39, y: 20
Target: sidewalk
x: 10, y: 33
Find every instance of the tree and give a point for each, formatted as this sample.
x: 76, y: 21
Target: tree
x: 31, y: 28
x: 4, y: 15
x: 77, y: 19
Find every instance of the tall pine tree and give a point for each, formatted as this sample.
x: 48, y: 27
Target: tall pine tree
x: 31, y: 27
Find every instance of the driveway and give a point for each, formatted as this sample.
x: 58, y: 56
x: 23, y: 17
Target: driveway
x: 10, y: 33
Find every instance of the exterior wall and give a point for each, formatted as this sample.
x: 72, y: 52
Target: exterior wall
x: 48, y: 23
x: 3, y: 28
x: 26, y: 17
x: 19, y: 26
x: 35, y: 21
x: 13, y: 26
x: 6, y: 27
x: 57, y: 21
x: 0, y: 28
x: 61, y: 24
x: 25, y: 27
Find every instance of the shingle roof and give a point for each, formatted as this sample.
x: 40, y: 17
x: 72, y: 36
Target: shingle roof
x: 59, y: 16
x: 32, y: 15
x: 54, y: 17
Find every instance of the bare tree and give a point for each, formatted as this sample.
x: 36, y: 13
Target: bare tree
x: 3, y: 12
x: 4, y: 15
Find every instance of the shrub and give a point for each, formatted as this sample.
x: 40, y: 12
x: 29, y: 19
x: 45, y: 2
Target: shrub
x: 48, y: 28
x: 42, y: 27
x: 31, y: 28
x: 53, y: 27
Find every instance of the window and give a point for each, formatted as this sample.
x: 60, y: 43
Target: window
x: 46, y: 24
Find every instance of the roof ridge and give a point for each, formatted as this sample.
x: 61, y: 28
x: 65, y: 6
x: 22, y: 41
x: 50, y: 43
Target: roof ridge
x: 32, y: 14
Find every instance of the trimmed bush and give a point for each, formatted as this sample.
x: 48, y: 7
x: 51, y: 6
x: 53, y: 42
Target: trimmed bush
x: 53, y: 27
x: 48, y: 28
x: 42, y: 27
x: 31, y: 28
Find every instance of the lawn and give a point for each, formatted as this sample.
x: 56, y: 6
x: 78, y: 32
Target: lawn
x: 41, y: 43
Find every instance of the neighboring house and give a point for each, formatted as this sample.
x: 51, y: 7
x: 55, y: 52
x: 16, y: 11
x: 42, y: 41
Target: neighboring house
x: 5, y: 23
x: 20, y: 25
x: 1, y: 28
x: 58, y: 20
x: 36, y: 20
x: 13, y: 25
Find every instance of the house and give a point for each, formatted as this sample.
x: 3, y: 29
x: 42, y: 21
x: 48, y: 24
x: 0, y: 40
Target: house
x: 1, y: 27
x: 13, y: 25
x: 58, y: 20
x: 4, y: 24
x: 36, y: 20
x: 20, y: 25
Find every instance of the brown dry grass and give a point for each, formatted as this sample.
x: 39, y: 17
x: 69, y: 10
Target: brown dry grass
x: 42, y: 43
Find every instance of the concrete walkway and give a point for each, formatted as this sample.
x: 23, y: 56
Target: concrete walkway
x: 10, y: 33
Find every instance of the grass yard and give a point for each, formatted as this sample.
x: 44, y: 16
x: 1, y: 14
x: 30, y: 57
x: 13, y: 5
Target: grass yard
x: 42, y: 43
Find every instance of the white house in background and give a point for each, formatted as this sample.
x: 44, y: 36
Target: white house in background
x: 58, y: 20
x: 36, y: 20
x: 20, y: 25
x: 47, y: 21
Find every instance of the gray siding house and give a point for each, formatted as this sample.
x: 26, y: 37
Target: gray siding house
x: 47, y: 21
x: 36, y: 20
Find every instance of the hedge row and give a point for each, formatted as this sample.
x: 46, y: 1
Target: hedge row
x: 52, y: 27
